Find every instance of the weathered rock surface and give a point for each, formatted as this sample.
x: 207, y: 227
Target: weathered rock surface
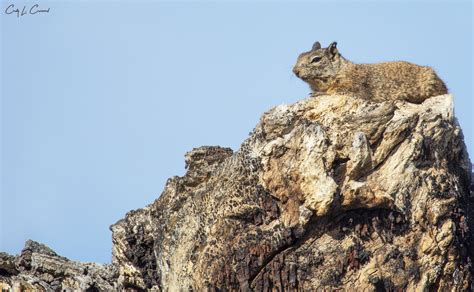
x: 38, y: 268
x: 332, y: 192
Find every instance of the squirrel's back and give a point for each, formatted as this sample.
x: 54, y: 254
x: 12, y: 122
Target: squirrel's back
x: 388, y: 81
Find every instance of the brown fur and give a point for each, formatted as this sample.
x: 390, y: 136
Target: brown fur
x: 326, y: 71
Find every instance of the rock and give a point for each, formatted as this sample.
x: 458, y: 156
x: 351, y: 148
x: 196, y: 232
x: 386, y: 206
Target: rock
x: 330, y: 193
x: 38, y: 268
x: 7, y: 265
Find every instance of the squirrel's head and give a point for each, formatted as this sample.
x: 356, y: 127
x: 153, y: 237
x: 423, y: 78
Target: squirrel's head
x: 318, y: 65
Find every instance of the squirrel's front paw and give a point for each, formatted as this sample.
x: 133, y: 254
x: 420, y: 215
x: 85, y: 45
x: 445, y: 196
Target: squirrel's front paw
x: 314, y: 94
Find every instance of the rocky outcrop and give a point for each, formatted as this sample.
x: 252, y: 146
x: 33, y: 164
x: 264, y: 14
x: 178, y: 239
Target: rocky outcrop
x: 332, y: 192
x: 38, y: 268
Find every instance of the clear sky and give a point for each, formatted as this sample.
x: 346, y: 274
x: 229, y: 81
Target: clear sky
x: 101, y: 100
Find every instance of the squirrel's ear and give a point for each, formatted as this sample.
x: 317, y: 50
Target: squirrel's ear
x: 332, y: 49
x: 316, y: 46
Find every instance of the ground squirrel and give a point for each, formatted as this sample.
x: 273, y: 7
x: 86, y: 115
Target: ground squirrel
x: 326, y: 71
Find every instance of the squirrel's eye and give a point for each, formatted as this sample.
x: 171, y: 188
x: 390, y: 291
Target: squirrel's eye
x: 315, y: 59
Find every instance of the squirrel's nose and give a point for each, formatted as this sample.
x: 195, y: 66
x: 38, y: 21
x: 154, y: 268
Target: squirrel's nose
x: 296, y: 71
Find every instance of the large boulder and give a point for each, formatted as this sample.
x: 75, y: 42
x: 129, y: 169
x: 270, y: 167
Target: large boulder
x: 332, y: 192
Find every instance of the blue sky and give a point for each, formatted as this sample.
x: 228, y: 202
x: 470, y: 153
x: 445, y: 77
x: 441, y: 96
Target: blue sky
x: 101, y: 100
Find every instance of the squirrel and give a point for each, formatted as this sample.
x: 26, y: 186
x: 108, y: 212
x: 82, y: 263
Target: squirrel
x: 327, y: 72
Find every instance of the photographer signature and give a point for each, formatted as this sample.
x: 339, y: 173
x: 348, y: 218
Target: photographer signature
x: 35, y: 9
